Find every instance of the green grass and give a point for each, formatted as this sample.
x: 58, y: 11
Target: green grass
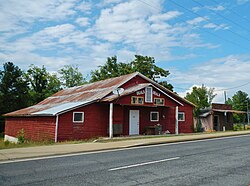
x: 9, y: 145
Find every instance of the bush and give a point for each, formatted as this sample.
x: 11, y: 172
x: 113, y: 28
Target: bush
x: 21, y: 136
x: 199, y: 127
x: 238, y: 127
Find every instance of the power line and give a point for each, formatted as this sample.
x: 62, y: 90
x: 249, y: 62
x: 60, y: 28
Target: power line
x: 219, y: 90
x: 231, y: 10
x: 233, y: 87
x: 215, y: 35
x: 243, y: 37
x: 222, y: 16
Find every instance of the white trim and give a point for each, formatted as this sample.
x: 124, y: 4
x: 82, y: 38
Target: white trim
x: 111, y: 120
x: 10, y: 139
x: 82, y: 121
x: 151, y: 94
x: 56, y: 129
x: 152, y: 112
x: 183, y: 113
x: 168, y: 95
x: 176, y: 120
x: 163, y: 99
x: 156, y: 84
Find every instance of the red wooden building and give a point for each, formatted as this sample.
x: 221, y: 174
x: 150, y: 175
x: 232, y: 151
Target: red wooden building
x: 127, y: 105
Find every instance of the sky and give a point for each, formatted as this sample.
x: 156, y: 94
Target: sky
x: 198, y: 41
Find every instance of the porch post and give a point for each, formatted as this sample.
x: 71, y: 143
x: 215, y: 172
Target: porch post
x: 56, y: 129
x: 176, y: 120
x: 111, y: 120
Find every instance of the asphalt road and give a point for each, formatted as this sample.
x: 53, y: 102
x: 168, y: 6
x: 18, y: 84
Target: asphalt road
x: 214, y: 162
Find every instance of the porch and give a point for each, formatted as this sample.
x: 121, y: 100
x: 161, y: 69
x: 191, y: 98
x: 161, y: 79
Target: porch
x: 133, y: 120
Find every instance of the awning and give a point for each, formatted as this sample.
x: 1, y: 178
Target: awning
x: 231, y: 111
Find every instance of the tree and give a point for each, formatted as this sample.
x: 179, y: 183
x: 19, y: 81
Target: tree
x: 239, y: 102
x: 167, y: 85
x: 13, y: 90
x: 71, y: 76
x: 202, y: 97
x: 143, y: 64
x: 146, y: 66
x: 42, y: 84
x: 111, y: 69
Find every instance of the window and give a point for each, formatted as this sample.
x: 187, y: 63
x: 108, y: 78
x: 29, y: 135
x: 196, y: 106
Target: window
x: 78, y: 117
x: 149, y: 94
x: 137, y: 100
x: 159, y: 101
x: 154, y: 116
x: 181, y: 116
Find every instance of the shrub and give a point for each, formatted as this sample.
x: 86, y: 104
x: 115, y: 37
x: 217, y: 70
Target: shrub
x: 238, y: 127
x: 21, y: 136
x: 199, y: 126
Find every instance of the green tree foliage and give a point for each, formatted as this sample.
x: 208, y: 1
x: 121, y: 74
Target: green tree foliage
x: 146, y: 66
x: 167, y: 85
x: 111, y: 69
x: 143, y: 64
x: 202, y: 97
x: 13, y: 90
x: 42, y: 84
x: 239, y: 102
x: 71, y: 76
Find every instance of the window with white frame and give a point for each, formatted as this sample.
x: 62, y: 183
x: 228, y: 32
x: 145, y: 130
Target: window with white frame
x: 159, y: 101
x: 137, y: 100
x: 154, y: 116
x: 149, y: 94
x: 78, y: 117
x: 181, y: 116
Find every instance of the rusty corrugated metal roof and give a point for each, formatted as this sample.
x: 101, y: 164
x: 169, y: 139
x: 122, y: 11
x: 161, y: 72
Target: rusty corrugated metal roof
x: 127, y: 91
x: 81, y: 95
x: 85, y: 93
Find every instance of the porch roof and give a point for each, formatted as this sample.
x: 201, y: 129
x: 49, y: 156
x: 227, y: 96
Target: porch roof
x: 231, y: 111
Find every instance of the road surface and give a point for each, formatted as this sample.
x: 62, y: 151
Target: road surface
x: 224, y: 161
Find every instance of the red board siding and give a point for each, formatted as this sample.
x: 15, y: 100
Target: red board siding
x: 96, y: 117
x: 35, y: 128
x: 166, y: 119
x: 187, y: 125
x: 126, y: 100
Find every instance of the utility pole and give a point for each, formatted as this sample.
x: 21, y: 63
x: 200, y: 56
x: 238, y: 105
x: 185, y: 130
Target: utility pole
x: 247, y: 114
x: 225, y: 96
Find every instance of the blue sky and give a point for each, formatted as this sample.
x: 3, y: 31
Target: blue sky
x: 198, y: 41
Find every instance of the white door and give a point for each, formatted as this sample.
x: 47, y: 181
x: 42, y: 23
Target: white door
x: 133, y: 122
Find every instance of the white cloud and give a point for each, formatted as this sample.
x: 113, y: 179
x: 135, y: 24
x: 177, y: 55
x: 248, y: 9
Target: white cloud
x: 216, y: 27
x: 84, y: 7
x: 82, y: 21
x: 197, y: 20
x: 216, y: 8
x: 111, y: 1
x: 15, y: 15
x: 242, y: 1
x: 196, y: 9
x: 220, y: 73
x: 165, y: 16
x: 122, y: 29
